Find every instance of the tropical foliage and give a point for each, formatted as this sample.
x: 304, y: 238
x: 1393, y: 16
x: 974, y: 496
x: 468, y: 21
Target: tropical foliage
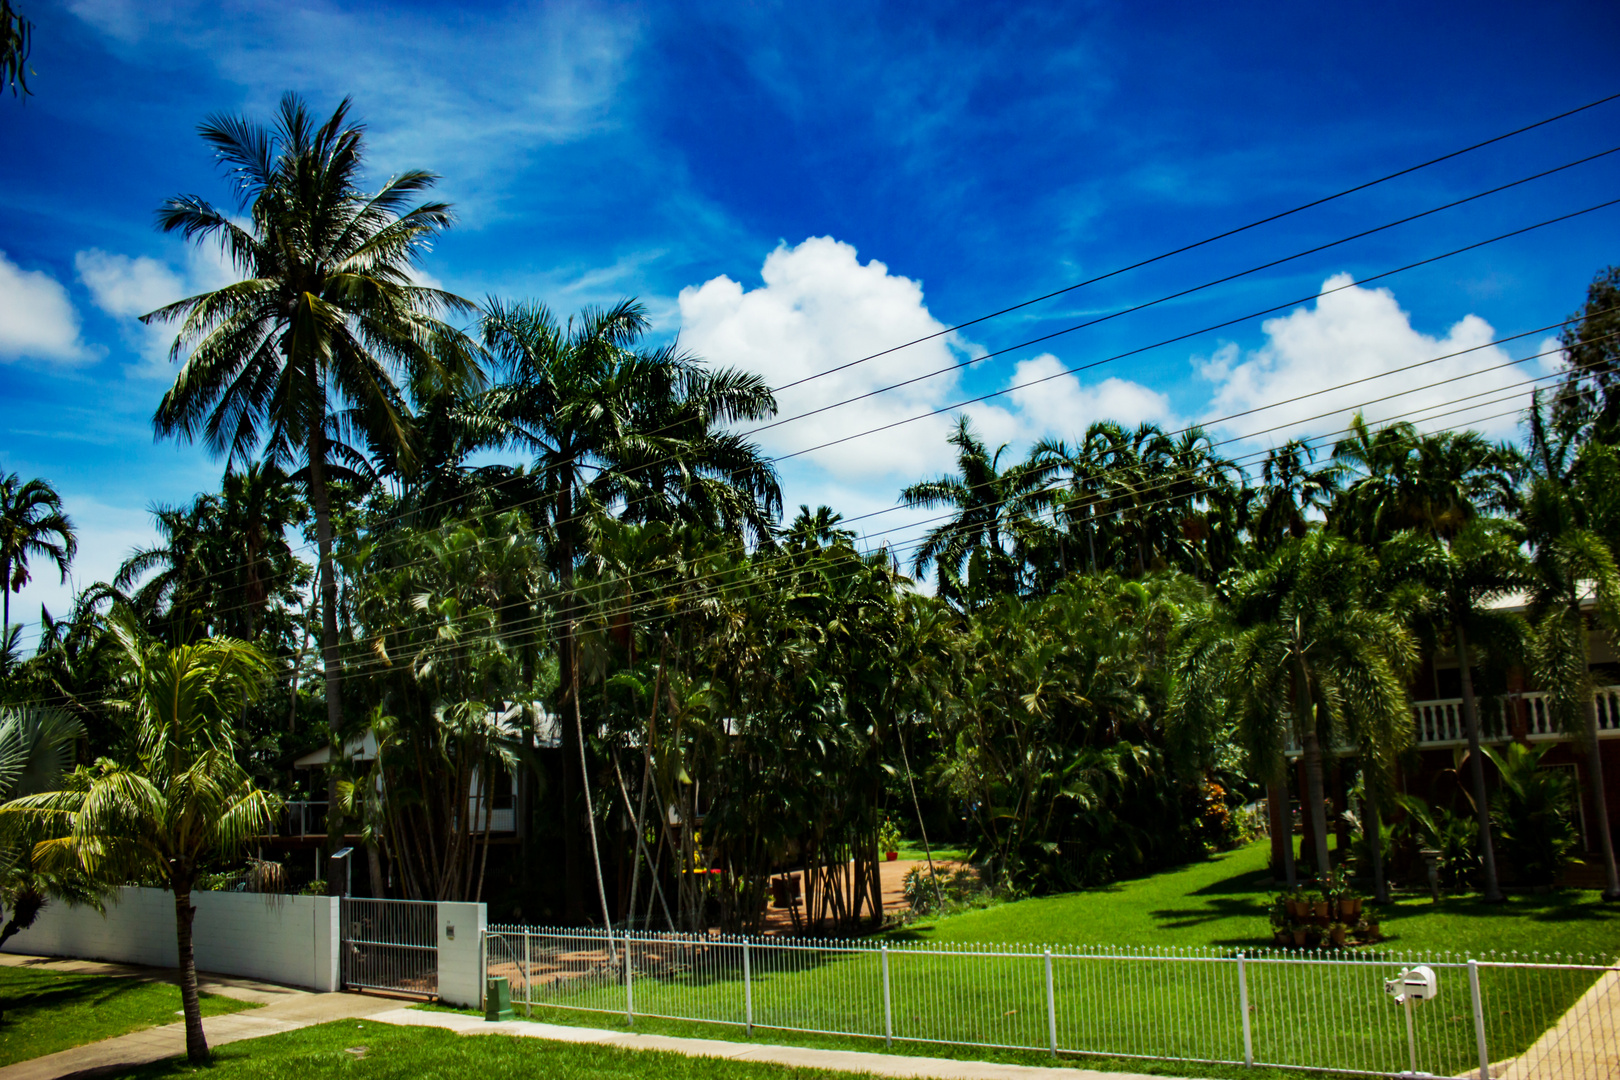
x: 527, y: 570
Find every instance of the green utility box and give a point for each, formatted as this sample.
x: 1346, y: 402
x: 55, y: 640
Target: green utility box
x: 498, y: 1000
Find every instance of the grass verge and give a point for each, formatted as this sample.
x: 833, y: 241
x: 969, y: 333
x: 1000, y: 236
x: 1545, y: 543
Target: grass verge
x: 47, y: 1011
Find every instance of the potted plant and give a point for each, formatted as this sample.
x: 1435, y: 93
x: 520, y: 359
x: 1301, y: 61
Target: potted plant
x: 1321, y: 906
x: 1337, y: 932
x: 1278, y: 917
x: 1298, y: 906
x: 1350, y: 902
x: 1299, y: 931
x: 889, y: 839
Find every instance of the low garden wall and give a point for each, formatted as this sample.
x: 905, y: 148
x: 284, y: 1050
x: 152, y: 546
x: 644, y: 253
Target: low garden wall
x: 292, y: 940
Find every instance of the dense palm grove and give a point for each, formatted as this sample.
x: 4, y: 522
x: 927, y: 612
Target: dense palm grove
x: 508, y: 543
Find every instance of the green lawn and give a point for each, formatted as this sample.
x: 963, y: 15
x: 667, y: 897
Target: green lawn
x: 47, y: 1011
x: 370, y: 1051
x: 913, y: 849
x: 1222, y: 903
x: 1302, y: 1013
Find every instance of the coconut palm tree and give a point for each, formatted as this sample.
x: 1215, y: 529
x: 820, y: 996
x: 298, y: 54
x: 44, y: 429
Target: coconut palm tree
x: 994, y: 524
x: 32, y: 525
x: 181, y: 804
x: 1482, y: 561
x: 614, y: 426
x: 314, y: 345
x: 1314, y: 655
x: 1290, y: 491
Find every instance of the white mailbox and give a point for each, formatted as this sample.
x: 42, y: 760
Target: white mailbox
x: 1414, y: 984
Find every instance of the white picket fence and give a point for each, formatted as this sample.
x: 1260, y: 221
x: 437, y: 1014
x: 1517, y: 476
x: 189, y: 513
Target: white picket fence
x: 1304, y: 1010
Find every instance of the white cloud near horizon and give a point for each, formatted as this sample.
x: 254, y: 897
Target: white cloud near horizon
x: 37, y: 318
x: 1361, y: 335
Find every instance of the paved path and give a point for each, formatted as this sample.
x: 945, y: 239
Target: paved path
x: 1583, y: 1045
x: 801, y: 1057
x: 284, y: 1009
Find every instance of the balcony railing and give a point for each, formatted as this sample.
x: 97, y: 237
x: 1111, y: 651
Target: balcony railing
x: 1440, y: 722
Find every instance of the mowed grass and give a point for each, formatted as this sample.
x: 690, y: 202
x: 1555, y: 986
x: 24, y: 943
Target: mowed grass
x: 1302, y: 1013
x: 1222, y: 903
x: 47, y: 1011
x: 361, y: 1049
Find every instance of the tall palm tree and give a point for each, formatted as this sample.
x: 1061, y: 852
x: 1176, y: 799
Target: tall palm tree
x: 613, y: 426
x: 995, y: 521
x: 1482, y: 561
x: 32, y: 525
x: 1311, y: 645
x: 314, y: 345
x: 1572, y: 514
x: 183, y: 802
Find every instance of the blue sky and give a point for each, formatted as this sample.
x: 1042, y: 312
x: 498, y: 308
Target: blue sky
x: 789, y: 187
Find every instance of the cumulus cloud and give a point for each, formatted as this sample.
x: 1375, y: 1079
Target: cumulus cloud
x: 1051, y: 402
x: 820, y: 307
x: 37, y: 319
x: 1355, y: 333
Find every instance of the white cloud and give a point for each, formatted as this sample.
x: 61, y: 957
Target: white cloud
x: 37, y: 320
x: 1355, y: 333
x: 1063, y: 405
x: 127, y: 288
x: 820, y: 308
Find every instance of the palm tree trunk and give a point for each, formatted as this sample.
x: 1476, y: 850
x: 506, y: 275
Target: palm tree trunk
x: 1372, y: 829
x: 5, y: 590
x: 1282, y: 832
x: 1600, y: 802
x: 320, y: 500
x: 590, y: 817
x: 1305, y: 716
x: 374, y: 867
x: 1476, y: 767
x: 196, y: 1041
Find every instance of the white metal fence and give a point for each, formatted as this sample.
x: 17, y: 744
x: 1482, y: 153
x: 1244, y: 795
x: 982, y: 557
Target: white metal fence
x: 1304, y: 1010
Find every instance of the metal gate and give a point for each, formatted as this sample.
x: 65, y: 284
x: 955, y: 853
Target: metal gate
x: 391, y: 945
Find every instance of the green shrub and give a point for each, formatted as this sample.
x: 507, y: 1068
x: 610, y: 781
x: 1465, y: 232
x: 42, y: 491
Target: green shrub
x: 1531, y: 814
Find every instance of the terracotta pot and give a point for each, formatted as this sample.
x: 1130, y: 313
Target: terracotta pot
x: 1338, y: 937
x: 1281, y: 936
x: 1359, y: 902
x: 893, y: 855
x: 1321, y: 909
x: 1373, y: 932
x: 1348, y: 908
x: 1299, y: 937
x: 1298, y: 909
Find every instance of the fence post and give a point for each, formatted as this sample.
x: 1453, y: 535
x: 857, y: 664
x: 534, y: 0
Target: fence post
x: 748, y: 990
x: 528, y: 966
x: 888, y: 1009
x: 629, y: 986
x: 483, y: 966
x: 1243, y: 1003
x: 1479, y: 1020
x: 1051, y: 1007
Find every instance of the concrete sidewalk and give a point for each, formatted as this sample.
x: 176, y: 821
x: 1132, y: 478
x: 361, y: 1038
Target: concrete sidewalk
x: 854, y: 1061
x: 284, y: 1009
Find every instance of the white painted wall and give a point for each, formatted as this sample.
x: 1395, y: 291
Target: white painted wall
x: 291, y: 940
x: 461, y: 954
